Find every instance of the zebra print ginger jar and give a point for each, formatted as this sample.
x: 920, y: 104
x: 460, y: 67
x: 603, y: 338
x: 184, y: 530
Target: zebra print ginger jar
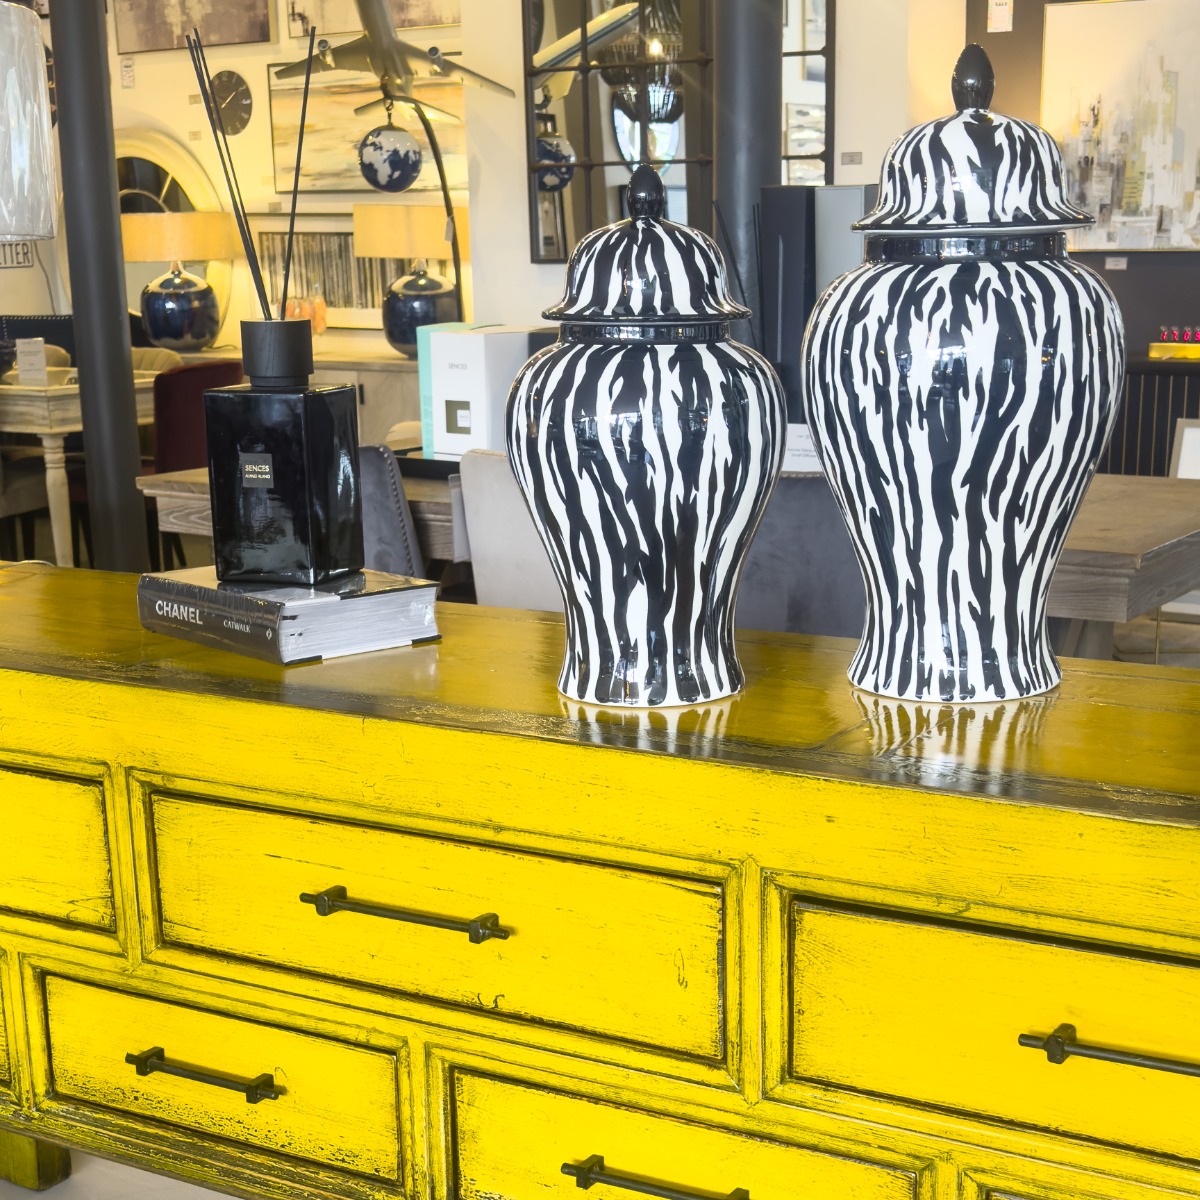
x: 960, y: 386
x: 647, y: 445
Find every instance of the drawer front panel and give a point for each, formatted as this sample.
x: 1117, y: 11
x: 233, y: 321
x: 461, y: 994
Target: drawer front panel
x: 933, y: 1012
x: 337, y: 1104
x: 55, y: 848
x: 612, y: 951
x: 512, y: 1140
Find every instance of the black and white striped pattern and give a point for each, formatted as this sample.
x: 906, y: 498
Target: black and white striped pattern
x: 647, y: 468
x: 646, y: 270
x: 974, y: 170
x: 959, y: 410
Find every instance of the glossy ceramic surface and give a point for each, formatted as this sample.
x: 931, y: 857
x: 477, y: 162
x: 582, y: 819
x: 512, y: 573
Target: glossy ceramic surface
x: 389, y: 158
x: 412, y: 301
x: 647, y: 444
x: 961, y: 385
x: 180, y: 312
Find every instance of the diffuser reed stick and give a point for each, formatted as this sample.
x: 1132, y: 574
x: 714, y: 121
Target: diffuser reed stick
x: 217, y: 124
x: 287, y: 257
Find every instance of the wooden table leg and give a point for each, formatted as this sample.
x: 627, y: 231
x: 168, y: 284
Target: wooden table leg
x: 58, y: 498
x: 31, y: 1163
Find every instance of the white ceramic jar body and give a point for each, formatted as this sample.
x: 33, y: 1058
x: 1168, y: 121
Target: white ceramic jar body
x: 959, y: 409
x: 647, y: 466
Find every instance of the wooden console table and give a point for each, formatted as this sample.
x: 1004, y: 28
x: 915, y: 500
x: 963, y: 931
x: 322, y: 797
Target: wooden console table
x: 183, y: 507
x: 409, y: 925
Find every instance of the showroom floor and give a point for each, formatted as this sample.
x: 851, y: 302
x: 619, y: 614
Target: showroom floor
x: 97, y: 1179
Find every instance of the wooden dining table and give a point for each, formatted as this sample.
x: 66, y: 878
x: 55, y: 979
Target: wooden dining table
x: 51, y: 413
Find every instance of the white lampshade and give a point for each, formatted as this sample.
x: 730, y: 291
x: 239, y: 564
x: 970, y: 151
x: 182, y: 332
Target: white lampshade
x: 28, y: 178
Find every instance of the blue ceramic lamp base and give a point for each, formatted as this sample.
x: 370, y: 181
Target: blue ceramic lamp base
x: 180, y: 311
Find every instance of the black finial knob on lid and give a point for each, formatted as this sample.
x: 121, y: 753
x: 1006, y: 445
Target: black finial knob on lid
x: 973, y: 81
x: 647, y: 197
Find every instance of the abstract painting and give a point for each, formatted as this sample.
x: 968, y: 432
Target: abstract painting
x: 1121, y: 95
x: 163, y: 24
x: 333, y: 130
x: 329, y: 17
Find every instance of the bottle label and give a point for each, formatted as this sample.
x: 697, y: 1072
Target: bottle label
x: 256, y: 470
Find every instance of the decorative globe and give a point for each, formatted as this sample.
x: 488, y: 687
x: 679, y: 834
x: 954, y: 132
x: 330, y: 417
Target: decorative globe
x: 555, y: 149
x: 389, y: 158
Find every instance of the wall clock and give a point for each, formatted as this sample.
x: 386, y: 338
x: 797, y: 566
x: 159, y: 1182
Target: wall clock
x: 232, y: 94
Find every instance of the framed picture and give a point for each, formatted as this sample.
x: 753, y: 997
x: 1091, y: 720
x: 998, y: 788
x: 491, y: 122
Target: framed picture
x: 331, y: 17
x: 41, y: 7
x: 1121, y: 96
x: 163, y: 24
x: 324, y: 264
x: 333, y: 130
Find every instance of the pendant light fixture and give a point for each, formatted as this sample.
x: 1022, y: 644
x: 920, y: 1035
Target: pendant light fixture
x: 29, y: 181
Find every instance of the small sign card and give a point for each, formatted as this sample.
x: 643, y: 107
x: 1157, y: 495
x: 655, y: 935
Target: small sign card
x: 1000, y: 16
x: 800, y: 456
x: 31, y: 362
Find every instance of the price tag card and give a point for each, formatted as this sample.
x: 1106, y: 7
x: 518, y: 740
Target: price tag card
x: 31, y: 362
x: 1000, y: 16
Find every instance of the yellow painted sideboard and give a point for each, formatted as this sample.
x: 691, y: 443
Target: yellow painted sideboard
x: 409, y: 925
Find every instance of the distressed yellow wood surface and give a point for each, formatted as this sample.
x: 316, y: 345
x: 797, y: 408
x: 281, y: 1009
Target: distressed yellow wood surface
x: 31, y: 1163
x: 932, y: 1013
x: 618, y: 952
x: 339, y: 1103
x: 5, y: 1069
x: 55, y: 848
x: 510, y: 1142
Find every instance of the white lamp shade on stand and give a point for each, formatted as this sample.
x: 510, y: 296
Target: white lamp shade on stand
x: 28, y: 178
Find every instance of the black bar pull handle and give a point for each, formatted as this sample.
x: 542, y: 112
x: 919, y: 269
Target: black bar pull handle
x: 155, y: 1060
x: 591, y: 1171
x: 1061, y: 1045
x: 333, y: 900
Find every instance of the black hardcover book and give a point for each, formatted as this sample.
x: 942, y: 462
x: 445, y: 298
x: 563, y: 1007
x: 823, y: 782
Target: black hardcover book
x: 283, y: 466
x: 368, y: 610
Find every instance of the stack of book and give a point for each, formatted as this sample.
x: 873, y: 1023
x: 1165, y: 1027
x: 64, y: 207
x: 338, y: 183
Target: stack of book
x: 368, y: 610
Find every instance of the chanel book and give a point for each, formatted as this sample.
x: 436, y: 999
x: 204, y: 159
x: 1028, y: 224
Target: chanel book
x: 368, y: 610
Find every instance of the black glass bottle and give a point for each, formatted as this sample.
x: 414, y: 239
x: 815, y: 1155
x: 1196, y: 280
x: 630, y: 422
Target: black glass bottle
x: 283, y: 466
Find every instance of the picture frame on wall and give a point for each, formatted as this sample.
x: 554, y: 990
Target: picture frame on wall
x: 333, y: 130
x: 324, y: 264
x: 333, y: 17
x: 145, y: 25
x: 1121, y: 96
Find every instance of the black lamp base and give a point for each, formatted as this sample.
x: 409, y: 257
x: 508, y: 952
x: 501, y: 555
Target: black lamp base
x: 179, y: 312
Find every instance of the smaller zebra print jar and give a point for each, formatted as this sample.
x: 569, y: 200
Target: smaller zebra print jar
x: 960, y: 386
x: 647, y: 445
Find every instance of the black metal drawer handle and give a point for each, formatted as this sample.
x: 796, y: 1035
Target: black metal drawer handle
x: 591, y: 1171
x: 154, y: 1059
x: 1061, y: 1045
x: 333, y: 900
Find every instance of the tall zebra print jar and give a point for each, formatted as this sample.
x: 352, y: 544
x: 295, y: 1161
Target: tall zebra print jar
x: 647, y: 445
x: 960, y: 386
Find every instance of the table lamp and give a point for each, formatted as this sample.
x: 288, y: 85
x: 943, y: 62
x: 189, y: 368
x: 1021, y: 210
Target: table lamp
x: 179, y: 309
x: 28, y: 180
x: 412, y: 231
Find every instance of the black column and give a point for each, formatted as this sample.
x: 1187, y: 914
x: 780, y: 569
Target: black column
x: 749, y: 123
x: 97, y: 270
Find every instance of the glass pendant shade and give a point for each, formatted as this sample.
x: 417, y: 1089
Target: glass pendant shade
x: 660, y: 86
x: 29, y: 178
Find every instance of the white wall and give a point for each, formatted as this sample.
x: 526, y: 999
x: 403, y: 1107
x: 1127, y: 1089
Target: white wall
x: 894, y: 62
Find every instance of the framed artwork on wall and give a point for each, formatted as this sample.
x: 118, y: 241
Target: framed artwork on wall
x: 163, y: 24
x: 331, y: 17
x: 333, y: 130
x: 1121, y: 96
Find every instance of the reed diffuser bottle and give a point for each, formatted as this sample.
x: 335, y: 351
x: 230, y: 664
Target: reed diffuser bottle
x: 283, y: 465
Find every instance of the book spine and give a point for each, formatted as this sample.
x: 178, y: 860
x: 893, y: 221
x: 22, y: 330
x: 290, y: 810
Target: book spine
x: 226, y: 621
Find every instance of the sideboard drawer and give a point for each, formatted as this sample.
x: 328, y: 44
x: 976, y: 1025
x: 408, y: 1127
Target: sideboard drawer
x: 334, y: 1103
x: 605, y: 949
x: 932, y: 1012
x: 55, y: 848
x: 512, y: 1141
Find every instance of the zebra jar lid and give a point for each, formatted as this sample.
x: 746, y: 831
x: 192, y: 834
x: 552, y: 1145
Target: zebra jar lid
x: 976, y: 170
x: 646, y: 270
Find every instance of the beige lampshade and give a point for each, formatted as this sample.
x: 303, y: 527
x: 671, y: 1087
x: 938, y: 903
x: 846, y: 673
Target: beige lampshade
x: 406, y: 231
x: 178, y: 236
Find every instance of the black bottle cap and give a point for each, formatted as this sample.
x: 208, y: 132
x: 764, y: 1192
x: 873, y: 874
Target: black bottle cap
x: 973, y: 81
x: 278, y: 354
